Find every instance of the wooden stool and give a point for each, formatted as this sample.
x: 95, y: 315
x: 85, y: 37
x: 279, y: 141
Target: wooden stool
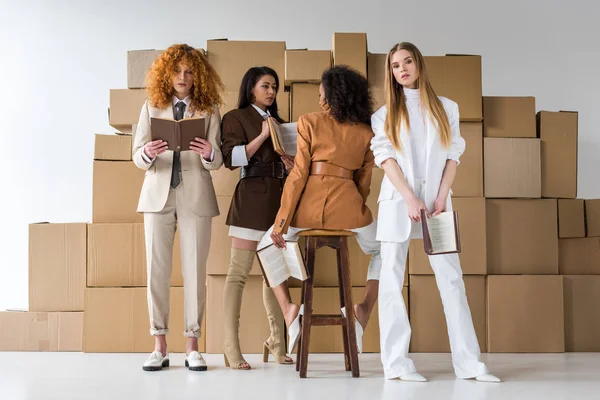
x: 337, y: 240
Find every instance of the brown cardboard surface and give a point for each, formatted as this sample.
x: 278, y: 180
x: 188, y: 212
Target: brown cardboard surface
x: 304, y: 99
x: 579, y: 256
x: 125, y: 108
x: 376, y: 77
x: 471, y: 224
x: 116, y: 321
x: 509, y: 117
x: 350, y: 49
x: 427, y: 319
x: 512, y: 168
x: 558, y: 133
x: 117, y: 256
x: 571, y: 218
x: 459, y: 79
x: 219, y: 254
x: 138, y: 64
x: 592, y: 218
x: 582, y: 319
x: 116, y: 192
x: 57, y: 263
x: 113, y: 147
x: 522, y: 237
x: 525, y: 314
x: 231, y: 59
x: 41, y: 331
x: 306, y: 65
x: 254, y: 326
x: 469, y: 176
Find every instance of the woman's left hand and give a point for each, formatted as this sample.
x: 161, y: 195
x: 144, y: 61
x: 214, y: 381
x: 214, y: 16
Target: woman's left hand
x: 202, y: 147
x: 439, y: 206
x: 278, y: 240
x: 288, y: 161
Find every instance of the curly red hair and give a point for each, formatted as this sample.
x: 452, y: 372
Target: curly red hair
x: 206, y: 91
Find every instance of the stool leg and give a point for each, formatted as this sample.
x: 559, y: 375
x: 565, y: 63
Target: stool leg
x: 308, y: 294
x: 345, y: 267
x: 349, y: 310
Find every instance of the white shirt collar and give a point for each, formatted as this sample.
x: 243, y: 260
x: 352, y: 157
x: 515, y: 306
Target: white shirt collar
x: 187, y: 101
x: 261, y: 112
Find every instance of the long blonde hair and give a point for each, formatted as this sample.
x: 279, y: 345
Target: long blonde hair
x: 395, y: 100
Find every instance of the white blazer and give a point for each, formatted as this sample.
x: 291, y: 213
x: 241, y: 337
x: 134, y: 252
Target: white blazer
x: 393, y: 223
x: 197, y: 182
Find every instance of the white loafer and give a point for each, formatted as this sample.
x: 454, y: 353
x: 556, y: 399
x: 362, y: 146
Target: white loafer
x: 413, y: 377
x: 156, y: 362
x: 488, y: 378
x: 359, y: 330
x: 294, y: 331
x: 195, y: 362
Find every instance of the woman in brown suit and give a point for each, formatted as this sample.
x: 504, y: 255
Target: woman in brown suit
x: 329, y: 183
x: 246, y: 143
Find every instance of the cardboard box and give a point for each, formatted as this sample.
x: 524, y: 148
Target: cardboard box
x: 41, y: 331
x: 117, y: 256
x: 219, y: 254
x: 458, y: 77
x: 253, y: 327
x: 329, y: 339
x: 138, y: 64
x: 306, y: 65
x: 427, y: 319
x: 113, y: 147
x: 350, y: 49
x: 509, y: 117
x: 231, y: 59
x: 57, y: 262
x: 522, y: 237
x: 592, y: 218
x: 471, y: 223
x: 558, y: 132
x: 304, y: 99
x: 116, y: 192
x: 225, y: 181
x: 579, y: 256
x: 116, y: 321
x: 283, y: 104
x: 571, y: 218
x: 512, y: 168
x: 125, y: 108
x: 525, y: 314
x: 469, y: 177
x: 376, y: 76
x: 582, y: 320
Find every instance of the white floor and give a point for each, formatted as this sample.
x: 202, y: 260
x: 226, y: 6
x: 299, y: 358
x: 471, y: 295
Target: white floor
x: 119, y: 376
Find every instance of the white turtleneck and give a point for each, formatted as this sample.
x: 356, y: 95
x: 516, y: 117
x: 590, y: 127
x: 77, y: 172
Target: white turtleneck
x: 418, y: 133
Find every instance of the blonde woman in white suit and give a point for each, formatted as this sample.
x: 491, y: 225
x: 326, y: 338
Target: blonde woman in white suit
x: 417, y: 142
x: 178, y: 192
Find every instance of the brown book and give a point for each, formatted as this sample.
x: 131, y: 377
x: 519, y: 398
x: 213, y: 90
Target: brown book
x: 178, y: 134
x: 284, y: 137
x: 440, y: 233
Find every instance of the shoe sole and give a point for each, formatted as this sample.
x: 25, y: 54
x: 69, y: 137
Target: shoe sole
x: 165, y: 364
x: 203, y: 368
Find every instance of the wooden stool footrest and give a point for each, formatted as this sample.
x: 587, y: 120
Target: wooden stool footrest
x: 327, y: 319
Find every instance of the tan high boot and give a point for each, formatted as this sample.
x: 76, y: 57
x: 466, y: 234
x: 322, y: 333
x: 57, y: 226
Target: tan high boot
x: 275, y: 344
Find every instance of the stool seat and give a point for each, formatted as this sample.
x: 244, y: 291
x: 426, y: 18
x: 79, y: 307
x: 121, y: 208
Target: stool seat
x: 325, y: 232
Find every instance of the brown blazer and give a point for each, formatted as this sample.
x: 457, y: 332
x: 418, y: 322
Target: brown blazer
x: 256, y: 200
x: 322, y: 201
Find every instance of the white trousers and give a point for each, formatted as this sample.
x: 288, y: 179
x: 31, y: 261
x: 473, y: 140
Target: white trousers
x: 365, y: 237
x: 393, y: 319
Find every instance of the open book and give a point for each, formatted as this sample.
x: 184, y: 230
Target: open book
x: 280, y: 264
x: 284, y: 137
x: 440, y: 233
x: 178, y: 134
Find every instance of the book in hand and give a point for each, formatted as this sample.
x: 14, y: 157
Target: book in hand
x: 177, y: 134
x: 440, y: 233
x: 280, y: 264
x: 284, y: 137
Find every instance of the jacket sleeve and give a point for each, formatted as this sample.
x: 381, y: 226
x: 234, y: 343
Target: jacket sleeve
x: 457, y: 146
x: 232, y: 135
x: 214, y: 138
x: 142, y: 136
x: 380, y: 144
x: 362, y: 177
x: 296, y: 181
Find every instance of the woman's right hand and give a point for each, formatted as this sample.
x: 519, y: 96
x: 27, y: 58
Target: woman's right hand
x: 415, y: 205
x: 155, y: 148
x: 266, y: 131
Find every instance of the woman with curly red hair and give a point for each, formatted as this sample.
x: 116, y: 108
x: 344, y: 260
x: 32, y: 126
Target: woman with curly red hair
x: 178, y: 192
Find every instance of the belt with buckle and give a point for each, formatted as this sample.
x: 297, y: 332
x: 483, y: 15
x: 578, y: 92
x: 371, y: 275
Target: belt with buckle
x: 268, y: 170
x: 325, y: 168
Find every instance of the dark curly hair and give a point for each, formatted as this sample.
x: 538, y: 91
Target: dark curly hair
x: 348, y: 94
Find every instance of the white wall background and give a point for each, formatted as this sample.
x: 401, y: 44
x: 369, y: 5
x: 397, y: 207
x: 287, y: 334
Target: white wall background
x: 60, y: 58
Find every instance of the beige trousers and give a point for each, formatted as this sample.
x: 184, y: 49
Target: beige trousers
x: 194, y: 237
